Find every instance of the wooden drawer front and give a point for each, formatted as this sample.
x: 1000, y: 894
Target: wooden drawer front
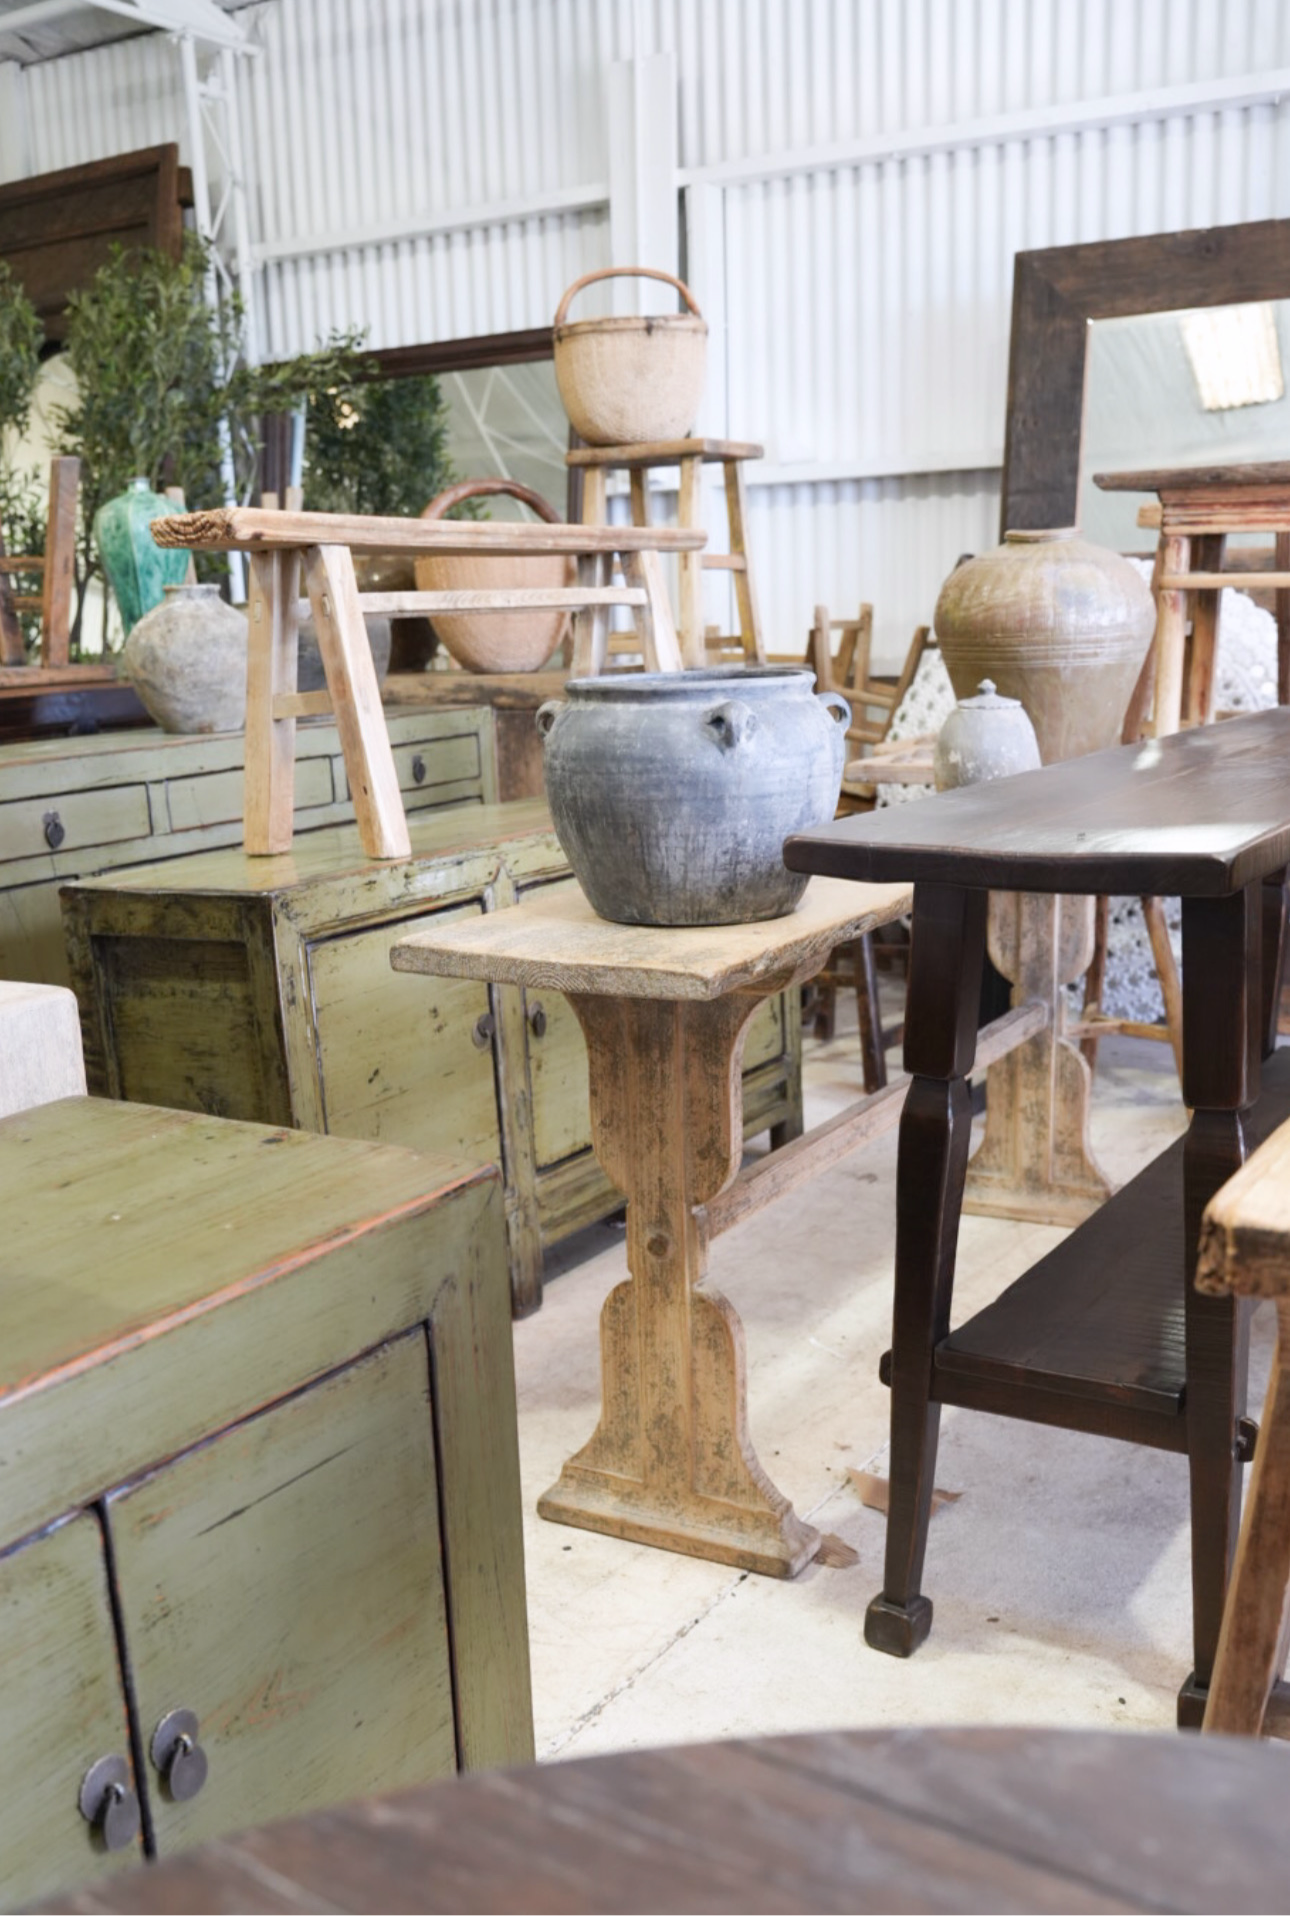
x: 61, y: 1708
x: 426, y: 763
x: 216, y: 798
x: 87, y: 819
x: 396, y: 1053
x: 764, y: 1038
x: 285, y: 1583
x: 558, y: 1078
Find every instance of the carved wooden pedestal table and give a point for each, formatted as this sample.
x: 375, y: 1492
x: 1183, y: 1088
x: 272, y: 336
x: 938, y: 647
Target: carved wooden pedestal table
x: 1107, y: 1332
x: 664, y: 1014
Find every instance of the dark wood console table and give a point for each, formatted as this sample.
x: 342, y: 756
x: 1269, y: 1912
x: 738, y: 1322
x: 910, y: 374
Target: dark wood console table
x: 1107, y: 1333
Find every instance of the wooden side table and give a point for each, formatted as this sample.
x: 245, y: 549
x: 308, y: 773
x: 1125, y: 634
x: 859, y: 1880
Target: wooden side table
x: 1199, y: 507
x: 664, y: 1014
x: 1107, y: 1333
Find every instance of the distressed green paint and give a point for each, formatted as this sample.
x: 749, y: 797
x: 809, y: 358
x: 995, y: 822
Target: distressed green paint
x: 62, y: 1706
x: 285, y: 1583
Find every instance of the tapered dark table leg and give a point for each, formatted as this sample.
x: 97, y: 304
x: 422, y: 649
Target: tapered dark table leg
x: 945, y: 961
x: 1224, y: 1021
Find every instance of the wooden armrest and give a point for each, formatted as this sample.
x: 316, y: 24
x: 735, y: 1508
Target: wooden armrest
x: 252, y: 529
x: 1245, y: 1233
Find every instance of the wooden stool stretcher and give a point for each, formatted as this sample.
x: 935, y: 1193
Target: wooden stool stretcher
x: 315, y: 550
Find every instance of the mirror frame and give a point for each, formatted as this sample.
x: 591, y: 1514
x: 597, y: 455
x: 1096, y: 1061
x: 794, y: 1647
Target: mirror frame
x: 1056, y: 292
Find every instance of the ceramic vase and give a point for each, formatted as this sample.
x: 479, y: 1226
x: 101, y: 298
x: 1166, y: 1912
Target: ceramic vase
x: 984, y: 737
x: 187, y: 661
x: 672, y: 793
x: 138, y: 570
x: 1059, y: 623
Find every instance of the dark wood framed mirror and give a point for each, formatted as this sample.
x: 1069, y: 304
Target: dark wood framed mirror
x: 1058, y: 291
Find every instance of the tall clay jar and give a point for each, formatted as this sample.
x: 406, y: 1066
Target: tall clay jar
x: 1059, y: 623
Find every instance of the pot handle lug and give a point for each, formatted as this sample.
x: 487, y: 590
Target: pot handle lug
x: 546, y: 715
x: 836, y: 706
x: 730, y: 723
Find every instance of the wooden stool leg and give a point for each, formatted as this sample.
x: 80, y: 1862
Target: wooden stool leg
x: 869, y: 1009
x: 1198, y: 705
x: 946, y: 957
x: 1221, y: 1060
x: 1171, y: 631
x: 638, y: 480
x: 60, y: 561
x: 1095, y: 978
x: 271, y: 665
x: 690, y: 567
x: 1252, y: 1642
x: 654, y: 618
x: 356, y: 701
x: 595, y: 496
x: 1153, y: 912
x: 1282, y: 602
x: 591, y: 623
x: 745, y: 592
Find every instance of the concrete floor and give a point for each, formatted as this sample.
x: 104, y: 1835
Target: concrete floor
x: 1060, y: 1577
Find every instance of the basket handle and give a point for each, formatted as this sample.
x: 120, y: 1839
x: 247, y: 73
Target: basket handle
x: 625, y: 272
x: 443, y: 502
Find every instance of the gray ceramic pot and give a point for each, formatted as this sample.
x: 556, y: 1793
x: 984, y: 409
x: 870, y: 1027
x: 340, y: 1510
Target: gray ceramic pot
x: 672, y: 793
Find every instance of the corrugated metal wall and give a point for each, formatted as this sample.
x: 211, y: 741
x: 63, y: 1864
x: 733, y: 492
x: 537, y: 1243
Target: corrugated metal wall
x: 434, y: 168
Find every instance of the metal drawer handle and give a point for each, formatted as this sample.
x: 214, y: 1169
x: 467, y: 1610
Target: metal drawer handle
x: 418, y: 770
x: 108, y: 1803
x: 485, y: 1026
x: 178, y: 1755
x: 55, y: 830
x: 537, y: 1021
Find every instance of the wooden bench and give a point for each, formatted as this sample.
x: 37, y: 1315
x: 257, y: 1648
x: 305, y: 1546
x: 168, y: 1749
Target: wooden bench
x: 316, y: 548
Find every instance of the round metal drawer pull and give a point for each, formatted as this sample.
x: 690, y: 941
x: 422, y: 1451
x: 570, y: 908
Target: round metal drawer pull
x: 485, y: 1025
x: 178, y: 1755
x: 537, y: 1021
x: 109, y: 1804
x: 55, y: 830
x: 418, y: 770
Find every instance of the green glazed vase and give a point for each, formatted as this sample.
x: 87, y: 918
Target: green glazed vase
x: 138, y: 570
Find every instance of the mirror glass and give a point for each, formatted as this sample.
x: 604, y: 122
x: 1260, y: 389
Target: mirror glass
x: 1197, y: 387
x: 507, y: 422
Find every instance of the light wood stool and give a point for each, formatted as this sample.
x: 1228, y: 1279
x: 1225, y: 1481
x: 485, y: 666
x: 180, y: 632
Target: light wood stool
x: 318, y: 548
x: 1245, y: 1250
x: 595, y: 464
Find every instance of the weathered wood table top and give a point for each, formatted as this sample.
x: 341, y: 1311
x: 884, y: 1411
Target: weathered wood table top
x: 257, y: 529
x: 556, y: 941
x: 1199, y: 814
x: 963, y: 1819
x: 1196, y: 478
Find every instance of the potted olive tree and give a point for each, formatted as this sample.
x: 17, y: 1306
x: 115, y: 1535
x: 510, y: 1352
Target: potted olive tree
x: 22, y: 497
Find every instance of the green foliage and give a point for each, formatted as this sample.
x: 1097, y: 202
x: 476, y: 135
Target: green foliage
x: 378, y: 448
x: 159, y: 382
x: 21, y: 336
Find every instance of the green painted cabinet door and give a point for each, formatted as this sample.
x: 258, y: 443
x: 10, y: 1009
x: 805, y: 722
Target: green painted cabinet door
x: 62, y: 1707
x: 284, y: 1582
x: 400, y: 1057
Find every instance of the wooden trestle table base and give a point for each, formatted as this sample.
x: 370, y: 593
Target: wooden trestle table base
x: 664, y: 1013
x: 1107, y: 1333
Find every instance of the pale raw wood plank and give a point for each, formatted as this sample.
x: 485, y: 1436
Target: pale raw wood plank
x: 654, y: 625
x: 1216, y: 581
x: 355, y: 699
x: 554, y: 940
x: 517, y: 599
x: 591, y: 624
x: 271, y: 666
x: 664, y: 452
x: 301, y: 704
x: 745, y: 591
x: 1245, y: 1237
x: 251, y: 529
x: 689, y: 568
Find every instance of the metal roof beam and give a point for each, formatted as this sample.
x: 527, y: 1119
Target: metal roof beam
x: 201, y: 18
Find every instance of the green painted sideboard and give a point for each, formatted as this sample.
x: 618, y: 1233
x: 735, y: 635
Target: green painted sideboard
x: 258, y: 1462
x: 261, y: 988
x: 73, y: 807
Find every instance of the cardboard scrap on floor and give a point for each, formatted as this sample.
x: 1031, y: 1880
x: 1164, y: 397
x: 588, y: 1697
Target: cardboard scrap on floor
x: 874, y: 1491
